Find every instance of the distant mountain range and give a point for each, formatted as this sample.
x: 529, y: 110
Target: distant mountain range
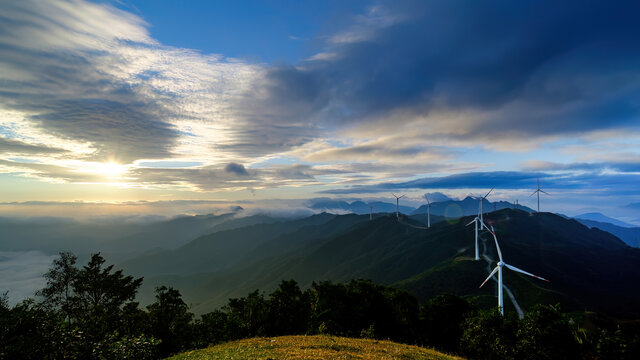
x: 356, y: 207
x: 448, y: 208
x: 599, y: 217
x: 576, y: 259
x: 466, y: 207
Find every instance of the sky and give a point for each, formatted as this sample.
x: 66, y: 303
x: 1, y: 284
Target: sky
x: 123, y: 107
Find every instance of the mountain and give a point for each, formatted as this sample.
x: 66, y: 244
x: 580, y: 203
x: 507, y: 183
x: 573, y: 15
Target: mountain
x: 228, y: 248
x: 630, y: 235
x: 117, y: 238
x: 466, y: 207
x: 599, y: 217
x: 426, y: 262
x: 356, y: 207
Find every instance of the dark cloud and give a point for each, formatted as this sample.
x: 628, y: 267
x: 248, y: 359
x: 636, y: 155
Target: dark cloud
x: 237, y: 169
x: 597, y: 167
x: 12, y: 146
x: 611, y: 184
x: 538, y: 67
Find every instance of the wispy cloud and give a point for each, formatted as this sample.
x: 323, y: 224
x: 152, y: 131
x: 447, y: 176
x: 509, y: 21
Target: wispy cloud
x: 412, y: 89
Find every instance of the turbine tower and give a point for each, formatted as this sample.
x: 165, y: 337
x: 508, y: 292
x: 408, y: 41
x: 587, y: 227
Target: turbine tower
x: 397, y: 205
x: 370, y: 212
x: 498, y: 269
x: 476, y: 221
x: 428, y: 211
x: 538, y: 191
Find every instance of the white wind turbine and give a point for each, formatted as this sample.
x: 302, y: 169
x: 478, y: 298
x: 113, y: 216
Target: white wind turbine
x: 479, y: 223
x: 428, y: 211
x: 538, y: 191
x: 498, y: 269
x: 370, y: 212
x: 481, y: 201
x: 397, y: 204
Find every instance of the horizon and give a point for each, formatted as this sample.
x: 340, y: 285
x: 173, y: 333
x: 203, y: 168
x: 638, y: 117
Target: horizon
x: 137, y: 109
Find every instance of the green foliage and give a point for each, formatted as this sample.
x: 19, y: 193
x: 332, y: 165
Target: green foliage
x: 246, y: 316
x: 170, y: 320
x: 114, y: 347
x: 441, y: 320
x: 288, y: 310
x: 60, y: 280
x: 545, y: 334
x: 89, y: 313
x: 488, y: 335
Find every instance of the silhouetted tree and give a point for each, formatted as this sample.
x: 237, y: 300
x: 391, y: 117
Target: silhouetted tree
x: 544, y: 333
x: 58, y: 292
x: 246, y: 317
x: 442, y: 318
x: 288, y: 310
x: 489, y: 335
x: 170, y: 320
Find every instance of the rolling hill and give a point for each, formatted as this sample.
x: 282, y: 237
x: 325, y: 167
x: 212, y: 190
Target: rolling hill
x: 630, y: 235
x: 312, y: 347
x: 578, y: 260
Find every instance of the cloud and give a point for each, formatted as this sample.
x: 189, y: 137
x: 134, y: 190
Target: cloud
x: 409, y: 89
x: 90, y: 73
x: 598, y: 167
x: 16, y: 147
x: 21, y: 273
x: 503, y: 64
x: 237, y: 169
x: 607, y: 184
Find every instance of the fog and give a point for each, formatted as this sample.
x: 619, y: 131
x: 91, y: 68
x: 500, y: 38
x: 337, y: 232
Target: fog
x: 21, y: 273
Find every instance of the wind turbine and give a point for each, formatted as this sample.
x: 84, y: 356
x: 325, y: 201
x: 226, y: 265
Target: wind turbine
x: 428, y: 211
x: 397, y: 204
x: 498, y: 269
x: 538, y: 191
x: 481, y: 201
x: 479, y: 223
x: 370, y: 212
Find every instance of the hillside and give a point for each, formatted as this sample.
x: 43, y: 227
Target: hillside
x: 630, y: 235
x: 312, y: 347
x: 424, y: 261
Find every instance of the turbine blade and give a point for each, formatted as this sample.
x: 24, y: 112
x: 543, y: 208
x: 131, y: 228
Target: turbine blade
x: 542, y: 191
x: 401, y: 197
x: 497, y: 245
x: 394, y: 195
x: 495, y: 270
x: 472, y: 221
x: 534, y: 193
x: 524, y: 272
x: 484, y: 197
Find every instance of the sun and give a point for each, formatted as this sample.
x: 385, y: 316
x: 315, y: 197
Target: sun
x: 109, y: 169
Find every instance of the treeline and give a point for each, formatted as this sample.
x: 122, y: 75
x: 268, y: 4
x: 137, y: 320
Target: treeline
x: 90, y: 313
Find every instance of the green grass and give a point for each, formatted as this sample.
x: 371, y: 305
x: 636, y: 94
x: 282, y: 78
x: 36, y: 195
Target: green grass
x: 319, y: 347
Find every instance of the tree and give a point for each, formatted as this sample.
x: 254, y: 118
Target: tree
x: 99, y: 295
x: 442, y: 318
x: 246, y: 316
x: 60, y: 278
x: 170, y: 320
x: 544, y: 333
x: 489, y: 335
x: 288, y: 310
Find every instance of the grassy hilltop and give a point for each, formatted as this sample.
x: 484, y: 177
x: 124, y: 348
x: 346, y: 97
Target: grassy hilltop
x: 317, y: 347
